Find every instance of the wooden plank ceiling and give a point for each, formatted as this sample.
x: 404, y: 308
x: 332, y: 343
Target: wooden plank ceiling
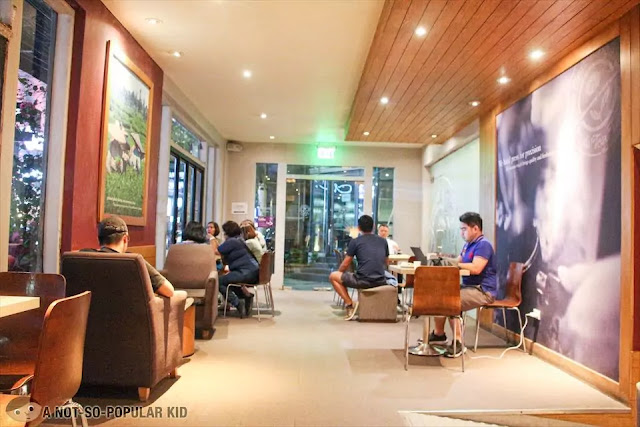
x: 430, y: 80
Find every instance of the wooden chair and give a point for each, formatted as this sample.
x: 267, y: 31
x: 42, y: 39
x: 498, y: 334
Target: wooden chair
x: 19, y: 345
x: 436, y: 293
x: 58, y: 370
x: 264, y: 279
x: 511, y: 301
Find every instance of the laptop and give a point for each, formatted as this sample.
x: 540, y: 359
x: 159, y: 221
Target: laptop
x: 419, y: 255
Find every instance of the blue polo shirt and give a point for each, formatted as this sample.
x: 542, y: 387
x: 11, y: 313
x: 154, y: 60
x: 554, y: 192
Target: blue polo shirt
x: 487, y: 278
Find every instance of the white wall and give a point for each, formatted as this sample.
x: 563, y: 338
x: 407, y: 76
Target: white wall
x: 453, y: 166
x: 241, y: 170
x: 454, y: 189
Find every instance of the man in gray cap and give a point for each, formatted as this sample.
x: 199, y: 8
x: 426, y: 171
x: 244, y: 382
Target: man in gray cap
x: 113, y: 236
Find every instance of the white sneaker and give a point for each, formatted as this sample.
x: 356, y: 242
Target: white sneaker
x: 351, y: 311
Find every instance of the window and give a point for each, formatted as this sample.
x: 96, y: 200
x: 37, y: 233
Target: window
x: 383, y: 197
x: 325, y: 170
x: 31, y: 136
x: 186, y: 182
x: 184, y: 138
x: 185, y: 195
x: 265, y: 203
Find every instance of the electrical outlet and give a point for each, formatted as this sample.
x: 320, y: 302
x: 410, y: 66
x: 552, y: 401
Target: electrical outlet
x: 535, y: 314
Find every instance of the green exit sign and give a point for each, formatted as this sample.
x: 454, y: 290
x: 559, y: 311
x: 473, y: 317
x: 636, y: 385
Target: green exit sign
x: 326, y: 152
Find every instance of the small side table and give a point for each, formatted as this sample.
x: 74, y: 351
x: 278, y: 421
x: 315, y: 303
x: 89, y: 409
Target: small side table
x: 189, y: 329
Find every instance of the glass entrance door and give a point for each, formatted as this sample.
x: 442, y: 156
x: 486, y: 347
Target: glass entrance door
x: 321, y: 216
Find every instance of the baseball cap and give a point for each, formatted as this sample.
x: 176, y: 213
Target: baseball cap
x: 112, y: 225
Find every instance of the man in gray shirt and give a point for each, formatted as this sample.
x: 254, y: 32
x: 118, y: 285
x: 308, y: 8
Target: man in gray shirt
x: 372, y: 253
x: 113, y: 236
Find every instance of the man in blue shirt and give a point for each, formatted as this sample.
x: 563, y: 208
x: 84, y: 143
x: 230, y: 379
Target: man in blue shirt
x: 480, y: 287
x: 372, y: 252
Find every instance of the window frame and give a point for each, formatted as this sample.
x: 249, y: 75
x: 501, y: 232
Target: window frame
x: 181, y: 157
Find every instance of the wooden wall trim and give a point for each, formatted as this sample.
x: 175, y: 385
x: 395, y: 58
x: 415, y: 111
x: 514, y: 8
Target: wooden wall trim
x: 603, y: 419
x: 148, y: 252
x: 630, y: 116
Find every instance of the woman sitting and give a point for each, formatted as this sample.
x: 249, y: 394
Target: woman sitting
x: 213, y: 230
x: 194, y: 232
x: 250, y: 239
x: 243, y: 267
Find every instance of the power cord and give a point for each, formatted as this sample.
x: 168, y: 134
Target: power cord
x: 533, y: 314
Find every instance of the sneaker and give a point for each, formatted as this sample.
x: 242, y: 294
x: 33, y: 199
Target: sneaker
x: 437, y: 339
x: 459, y: 350
x: 351, y: 311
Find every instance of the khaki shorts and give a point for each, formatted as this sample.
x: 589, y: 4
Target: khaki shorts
x: 473, y: 297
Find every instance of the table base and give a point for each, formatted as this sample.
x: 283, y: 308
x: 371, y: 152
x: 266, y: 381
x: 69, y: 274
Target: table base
x: 423, y: 349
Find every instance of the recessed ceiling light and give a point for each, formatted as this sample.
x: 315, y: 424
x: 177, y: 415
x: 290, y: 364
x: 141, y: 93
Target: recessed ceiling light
x: 365, y: 133
x: 272, y: 137
x: 263, y: 115
x: 504, y: 80
x: 177, y: 54
x: 421, y: 31
x: 384, y: 100
x: 434, y: 136
x: 153, y: 21
x: 474, y: 103
x: 247, y: 74
x: 536, y: 54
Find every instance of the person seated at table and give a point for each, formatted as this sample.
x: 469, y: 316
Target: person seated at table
x: 243, y: 267
x: 113, y: 236
x: 372, y: 254
x: 259, y: 235
x: 213, y: 230
x: 480, y: 287
x: 383, y: 231
x: 194, y: 232
x: 249, y: 234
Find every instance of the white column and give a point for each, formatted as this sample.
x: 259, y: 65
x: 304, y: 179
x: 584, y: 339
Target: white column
x: 368, y: 191
x: 56, y: 145
x: 220, y: 196
x: 163, y: 186
x: 10, y: 90
x: 211, y: 189
x: 281, y: 210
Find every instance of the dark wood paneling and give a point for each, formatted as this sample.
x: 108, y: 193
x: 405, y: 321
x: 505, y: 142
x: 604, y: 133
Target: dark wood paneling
x: 94, y: 26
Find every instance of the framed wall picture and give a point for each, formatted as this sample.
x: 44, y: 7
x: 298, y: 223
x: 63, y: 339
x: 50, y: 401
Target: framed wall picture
x: 126, y: 132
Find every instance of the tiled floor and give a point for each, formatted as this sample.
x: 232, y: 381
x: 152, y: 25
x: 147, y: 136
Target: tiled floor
x: 306, y: 366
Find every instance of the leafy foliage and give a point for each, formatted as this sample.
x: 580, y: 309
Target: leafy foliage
x: 185, y: 138
x: 27, y: 183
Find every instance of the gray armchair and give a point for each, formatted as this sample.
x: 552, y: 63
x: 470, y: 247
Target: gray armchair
x: 134, y: 338
x: 191, y: 267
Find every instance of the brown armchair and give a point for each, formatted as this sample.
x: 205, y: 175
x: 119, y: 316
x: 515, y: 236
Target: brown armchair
x: 134, y: 338
x: 192, y: 268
